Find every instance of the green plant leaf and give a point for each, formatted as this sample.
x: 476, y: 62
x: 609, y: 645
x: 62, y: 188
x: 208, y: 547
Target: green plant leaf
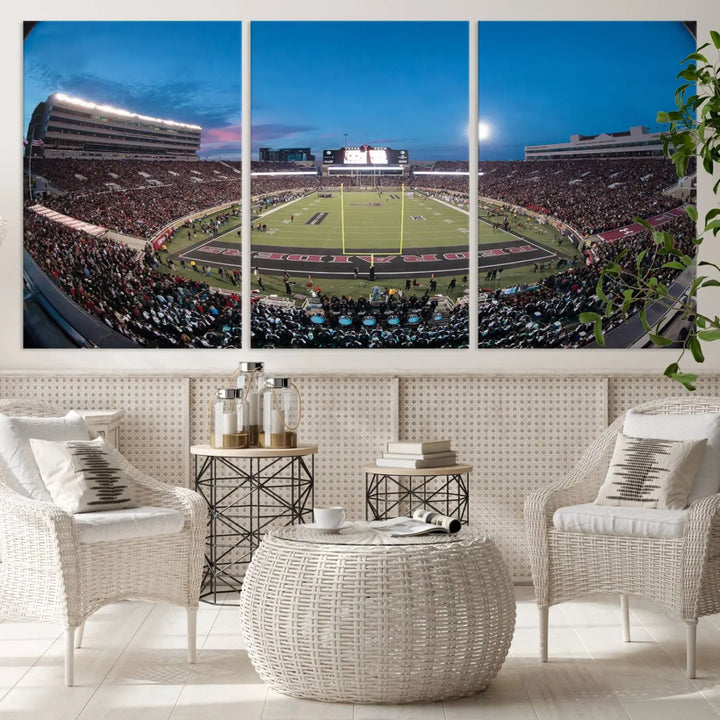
x: 711, y: 283
x: 694, y: 56
x: 709, y: 335
x: 692, y: 212
x: 660, y: 340
x: 644, y: 320
x: 674, y: 264
x: 588, y: 317
x: 715, y: 37
x: 671, y: 369
x: 598, y: 331
x: 687, y: 380
x: 695, y: 349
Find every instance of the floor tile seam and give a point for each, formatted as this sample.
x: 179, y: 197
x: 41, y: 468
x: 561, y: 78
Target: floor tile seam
x: 118, y: 658
x: 597, y: 670
x: 661, y: 646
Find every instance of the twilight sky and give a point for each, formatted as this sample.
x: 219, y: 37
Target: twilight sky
x: 540, y: 82
x: 398, y: 84
x: 402, y: 85
x: 183, y: 71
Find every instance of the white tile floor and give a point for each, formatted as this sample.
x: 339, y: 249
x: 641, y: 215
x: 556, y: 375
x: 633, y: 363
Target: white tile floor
x: 133, y: 666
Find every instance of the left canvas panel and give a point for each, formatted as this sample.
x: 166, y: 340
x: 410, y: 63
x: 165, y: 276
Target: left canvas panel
x: 131, y: 164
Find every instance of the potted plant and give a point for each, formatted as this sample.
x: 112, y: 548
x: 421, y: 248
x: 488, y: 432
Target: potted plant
x: 630, y: 283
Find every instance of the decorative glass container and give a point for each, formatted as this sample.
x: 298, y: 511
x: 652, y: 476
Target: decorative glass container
x: 225, y: 414
x: 250, y: 381
x: 282, y: 413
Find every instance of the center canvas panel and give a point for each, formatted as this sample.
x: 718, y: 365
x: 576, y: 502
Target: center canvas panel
x: 360, y: 184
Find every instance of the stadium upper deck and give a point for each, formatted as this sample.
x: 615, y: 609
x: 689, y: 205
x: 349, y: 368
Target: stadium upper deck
x: 64, y: 126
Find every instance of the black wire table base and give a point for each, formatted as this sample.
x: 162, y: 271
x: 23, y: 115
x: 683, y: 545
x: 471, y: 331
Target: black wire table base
x: 246, y: 496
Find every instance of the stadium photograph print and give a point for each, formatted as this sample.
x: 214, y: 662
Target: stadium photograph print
x: 131, y: 162
x: 570, y: 157
x: 360, y: 184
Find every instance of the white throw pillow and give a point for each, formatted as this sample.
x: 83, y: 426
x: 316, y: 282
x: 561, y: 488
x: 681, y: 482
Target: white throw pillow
x: 651, y: 473
x: 684, y: 427
x: 18, y: 463
x: 82, y: 475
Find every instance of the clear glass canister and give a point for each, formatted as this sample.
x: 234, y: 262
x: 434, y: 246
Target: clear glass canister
x: 282, y: 413
x: 225, y: 412
x: 251, y: 382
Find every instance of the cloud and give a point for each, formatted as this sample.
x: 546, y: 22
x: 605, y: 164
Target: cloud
x: 182, y: 100
x: 227, y: 134
x: 275, y: 131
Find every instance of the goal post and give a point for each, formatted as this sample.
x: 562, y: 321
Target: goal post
x: 343, y: 241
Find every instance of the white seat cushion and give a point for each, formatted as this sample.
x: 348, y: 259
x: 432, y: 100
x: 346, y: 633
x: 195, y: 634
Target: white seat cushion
x: 144, y: 521
x: 625, y: 521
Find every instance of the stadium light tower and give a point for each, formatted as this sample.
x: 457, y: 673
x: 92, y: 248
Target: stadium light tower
x: 345, y: 145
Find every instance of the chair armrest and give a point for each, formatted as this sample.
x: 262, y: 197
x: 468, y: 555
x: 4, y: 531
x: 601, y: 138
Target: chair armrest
x: 38, y: 526
x: 38, y: 545
x: 150, y: 491
x: 702, y: 532
x: 580, y: 485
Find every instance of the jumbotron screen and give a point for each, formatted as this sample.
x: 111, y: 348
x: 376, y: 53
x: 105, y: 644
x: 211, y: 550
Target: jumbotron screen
x: 365, y: 155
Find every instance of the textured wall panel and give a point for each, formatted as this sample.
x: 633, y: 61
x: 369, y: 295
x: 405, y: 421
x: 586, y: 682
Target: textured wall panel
x: 518, y: 433
x: 627, y: 392
x: 152, y: 433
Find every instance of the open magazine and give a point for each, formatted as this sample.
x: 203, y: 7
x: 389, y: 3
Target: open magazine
x: 421, y: 523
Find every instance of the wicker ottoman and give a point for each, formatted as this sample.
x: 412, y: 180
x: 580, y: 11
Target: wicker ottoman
x: 346, y: 616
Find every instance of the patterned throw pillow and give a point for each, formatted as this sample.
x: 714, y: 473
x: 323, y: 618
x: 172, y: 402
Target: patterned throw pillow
x: 82, y: 476
x: 651, y: 473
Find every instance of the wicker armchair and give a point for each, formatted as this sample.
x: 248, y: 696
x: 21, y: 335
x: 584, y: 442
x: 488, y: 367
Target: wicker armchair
x: 681, y: 574
x: 46, y: 574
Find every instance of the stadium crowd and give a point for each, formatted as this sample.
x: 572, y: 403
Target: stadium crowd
x: 546, y: 315
x: 127, y: 292
x: 124, y: 290
x: 393, y: 321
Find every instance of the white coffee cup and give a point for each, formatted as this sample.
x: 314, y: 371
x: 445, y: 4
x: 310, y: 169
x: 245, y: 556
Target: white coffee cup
x: 329, y: 517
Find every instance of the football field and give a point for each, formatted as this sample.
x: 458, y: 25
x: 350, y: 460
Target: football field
x: 355, y: 223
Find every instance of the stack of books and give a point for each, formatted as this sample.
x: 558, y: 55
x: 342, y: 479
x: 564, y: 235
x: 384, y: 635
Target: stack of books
x: 417, y: 454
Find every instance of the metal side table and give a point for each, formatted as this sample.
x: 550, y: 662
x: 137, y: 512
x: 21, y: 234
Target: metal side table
x: 248, y: 492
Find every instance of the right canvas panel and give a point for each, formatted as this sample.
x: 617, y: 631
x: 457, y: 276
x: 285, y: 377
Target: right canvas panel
x: 570, y: 154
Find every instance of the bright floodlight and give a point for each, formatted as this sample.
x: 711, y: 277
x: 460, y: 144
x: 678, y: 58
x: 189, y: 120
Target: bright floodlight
x: 484, y: 130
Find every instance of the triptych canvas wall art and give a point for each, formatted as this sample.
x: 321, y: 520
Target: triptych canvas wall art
x: 361, y: 197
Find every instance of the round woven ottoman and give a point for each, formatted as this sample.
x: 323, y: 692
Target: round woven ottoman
x: 349, y: 616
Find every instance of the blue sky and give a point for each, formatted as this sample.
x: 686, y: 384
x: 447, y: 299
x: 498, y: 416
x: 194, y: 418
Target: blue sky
x: 540, y: 82
x: 398, y: 84
x: 402, y: 85
x: 183, y: 71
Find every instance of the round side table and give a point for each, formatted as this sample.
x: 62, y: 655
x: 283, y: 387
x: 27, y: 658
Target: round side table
x: 356, y: 616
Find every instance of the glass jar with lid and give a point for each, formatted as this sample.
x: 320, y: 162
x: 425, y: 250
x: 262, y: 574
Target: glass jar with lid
x: 250, y: 380
x: 282, y: 413
x: 225, y: 413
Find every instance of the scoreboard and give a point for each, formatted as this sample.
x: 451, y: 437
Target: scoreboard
x: 365, y: 155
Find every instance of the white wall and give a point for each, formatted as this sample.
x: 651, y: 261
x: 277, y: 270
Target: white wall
x: 14, y: 358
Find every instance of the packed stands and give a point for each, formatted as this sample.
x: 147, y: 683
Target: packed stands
x: 127, y: 292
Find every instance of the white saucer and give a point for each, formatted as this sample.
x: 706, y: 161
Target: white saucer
x: 342, y: 526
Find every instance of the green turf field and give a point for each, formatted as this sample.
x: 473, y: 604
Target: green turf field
x: 373, y: 229
x: 368, y: 222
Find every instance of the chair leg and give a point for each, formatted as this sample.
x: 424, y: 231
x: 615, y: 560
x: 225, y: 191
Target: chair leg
x: 625, y: 612
x: 543, y: 611
x: 79, y: 630
x: 69, y: 656
x: 192, y: 634
x: 691, y: 634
